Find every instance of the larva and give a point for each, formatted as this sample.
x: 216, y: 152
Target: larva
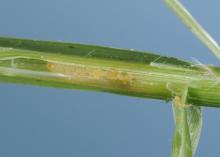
x: 78, y: 73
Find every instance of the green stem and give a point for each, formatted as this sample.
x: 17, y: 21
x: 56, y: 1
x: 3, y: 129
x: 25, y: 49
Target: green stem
x: 127, y: 72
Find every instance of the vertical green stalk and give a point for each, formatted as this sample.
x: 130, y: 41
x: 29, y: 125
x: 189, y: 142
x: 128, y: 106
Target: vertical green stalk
x: 189, y: 119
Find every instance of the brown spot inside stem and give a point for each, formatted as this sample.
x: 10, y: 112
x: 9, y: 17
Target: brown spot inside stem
x: 100, y: 76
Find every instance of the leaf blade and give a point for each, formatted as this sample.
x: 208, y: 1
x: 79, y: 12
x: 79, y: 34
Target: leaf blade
x: 188, y: 121
x: 181, y: 142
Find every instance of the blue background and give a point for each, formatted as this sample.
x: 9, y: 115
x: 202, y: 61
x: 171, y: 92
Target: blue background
x: 38, y: 121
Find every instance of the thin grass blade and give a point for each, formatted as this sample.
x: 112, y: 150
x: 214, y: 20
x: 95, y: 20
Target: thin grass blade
x: 194, y: 26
